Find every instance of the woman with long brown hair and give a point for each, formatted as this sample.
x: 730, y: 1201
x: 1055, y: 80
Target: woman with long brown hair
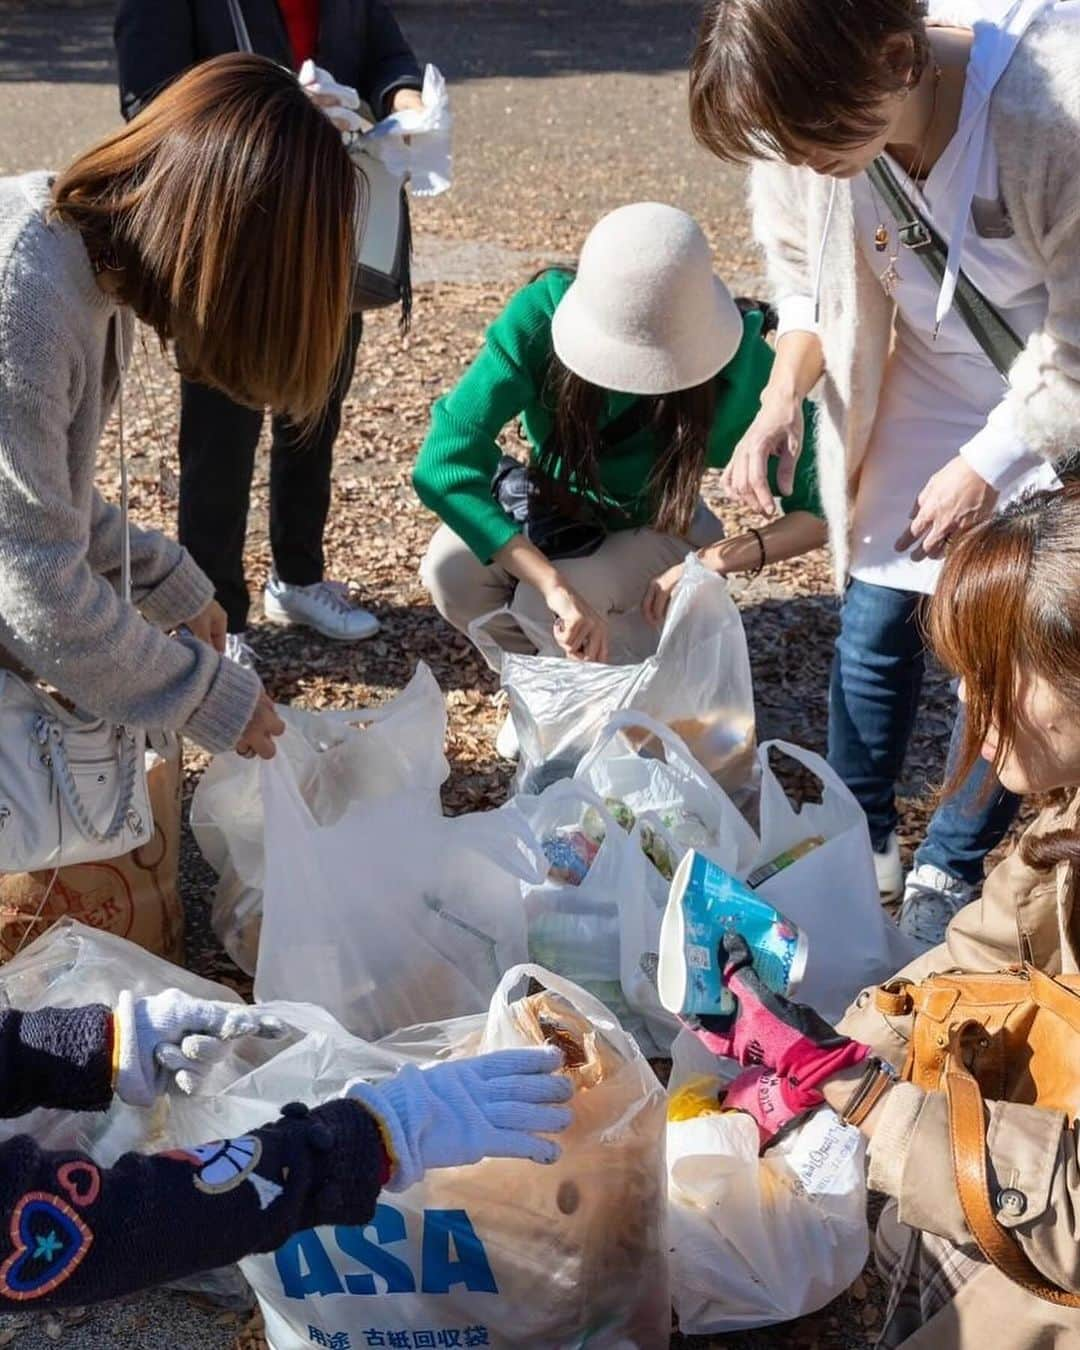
x: 1020, y: 681
x: 223, y: 217
x: 630, y: 379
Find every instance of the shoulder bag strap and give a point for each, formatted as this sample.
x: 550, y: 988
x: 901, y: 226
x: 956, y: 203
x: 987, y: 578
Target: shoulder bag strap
x: 985, y: 324
x: 967, y: 1137
x: 240, y: 28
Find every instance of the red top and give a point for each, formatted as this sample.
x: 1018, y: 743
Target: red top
x: 302, y: 20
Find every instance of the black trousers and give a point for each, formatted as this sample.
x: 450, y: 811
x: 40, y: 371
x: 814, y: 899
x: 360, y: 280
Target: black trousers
x: 218, y: 439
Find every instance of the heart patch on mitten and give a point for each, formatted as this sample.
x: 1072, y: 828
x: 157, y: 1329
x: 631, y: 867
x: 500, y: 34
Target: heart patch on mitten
x: 50, y: 1243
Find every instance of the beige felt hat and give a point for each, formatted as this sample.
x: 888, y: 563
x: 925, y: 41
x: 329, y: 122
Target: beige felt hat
x: 645, y: 314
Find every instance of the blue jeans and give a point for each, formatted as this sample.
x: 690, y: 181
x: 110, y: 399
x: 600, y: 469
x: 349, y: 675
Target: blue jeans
x: 877, y: 676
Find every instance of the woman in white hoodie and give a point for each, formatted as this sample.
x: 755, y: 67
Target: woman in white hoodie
x: 975, y: 108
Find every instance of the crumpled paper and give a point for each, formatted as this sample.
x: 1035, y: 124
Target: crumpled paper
x: 415, y: 143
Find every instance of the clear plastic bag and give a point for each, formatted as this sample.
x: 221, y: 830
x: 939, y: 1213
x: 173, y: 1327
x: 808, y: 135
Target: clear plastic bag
x: 338, y: 757
x: 391, y: 915
x: 523, y: 1257
x: 698, y: 683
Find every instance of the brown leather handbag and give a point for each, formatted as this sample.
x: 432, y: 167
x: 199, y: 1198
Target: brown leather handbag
x: 1014, y: 1036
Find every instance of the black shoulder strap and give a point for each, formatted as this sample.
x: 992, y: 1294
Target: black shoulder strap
x: 985, y: 324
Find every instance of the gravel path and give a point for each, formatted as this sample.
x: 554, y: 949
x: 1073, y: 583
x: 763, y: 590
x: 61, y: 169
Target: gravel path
x: 556, y: 121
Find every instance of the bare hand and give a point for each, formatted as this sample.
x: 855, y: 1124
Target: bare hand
x: 776, y: 432
x: 260, y: 732
x: 579, y: 630
x: 210, y: 626
x: 654, y: 607
x: 954, y: 500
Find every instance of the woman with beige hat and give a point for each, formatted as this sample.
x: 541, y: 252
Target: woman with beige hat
x: 630, y: 379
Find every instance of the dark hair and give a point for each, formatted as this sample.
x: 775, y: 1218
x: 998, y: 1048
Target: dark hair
x: 770, y: 77
x: 566, y: 470
x: 227, y: 210
x: 1008, y: 602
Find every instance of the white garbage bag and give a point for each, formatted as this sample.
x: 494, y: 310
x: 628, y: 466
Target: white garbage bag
x: 414, y: 144
x: 697, y: 682
x: 338, y: 757
x: 831, y: 892
x: 504, y: 1254
x: 759, y: 1240
x: 390, y: 915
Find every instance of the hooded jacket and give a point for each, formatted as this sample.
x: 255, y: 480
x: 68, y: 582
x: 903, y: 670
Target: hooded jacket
x: 1027, y: 100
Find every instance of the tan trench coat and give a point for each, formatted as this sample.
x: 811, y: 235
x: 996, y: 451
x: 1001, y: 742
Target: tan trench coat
x: 1023, y: 914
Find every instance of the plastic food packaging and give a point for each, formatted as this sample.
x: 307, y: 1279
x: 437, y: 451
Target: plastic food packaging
x: 706, y: 902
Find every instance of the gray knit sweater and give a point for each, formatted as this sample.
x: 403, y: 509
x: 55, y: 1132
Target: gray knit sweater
x: 60, y: 543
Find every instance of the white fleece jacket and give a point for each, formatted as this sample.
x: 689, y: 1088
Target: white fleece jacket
x: 1034, y: 119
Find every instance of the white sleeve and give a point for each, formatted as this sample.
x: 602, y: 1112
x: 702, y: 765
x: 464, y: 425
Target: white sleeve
x: 996, y: 452
x: 796, y: 314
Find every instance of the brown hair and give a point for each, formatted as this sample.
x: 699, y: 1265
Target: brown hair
x: 1008, y: 603
x: 770, y: 77
x: 226, y: 210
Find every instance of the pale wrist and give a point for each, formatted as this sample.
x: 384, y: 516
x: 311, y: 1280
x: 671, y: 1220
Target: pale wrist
x: 781, y: 395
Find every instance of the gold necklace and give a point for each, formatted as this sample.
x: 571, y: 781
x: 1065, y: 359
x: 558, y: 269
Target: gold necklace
x: 890, y: 277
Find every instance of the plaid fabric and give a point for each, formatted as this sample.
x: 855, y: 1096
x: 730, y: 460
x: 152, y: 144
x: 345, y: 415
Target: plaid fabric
x: 924, y: 1273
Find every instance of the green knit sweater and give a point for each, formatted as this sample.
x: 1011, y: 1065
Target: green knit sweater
x: 460, y: 454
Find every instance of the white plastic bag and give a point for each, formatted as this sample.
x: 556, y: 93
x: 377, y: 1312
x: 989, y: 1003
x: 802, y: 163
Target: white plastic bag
x: 698, y: 682
x: 390, y: 915
x: 503, y: 1254
x: 677, y: 805
x: 338, y: 757
x: 414, y: 144
x: 575, y: 930
x: 759, y: 1240
x: 831, y: 893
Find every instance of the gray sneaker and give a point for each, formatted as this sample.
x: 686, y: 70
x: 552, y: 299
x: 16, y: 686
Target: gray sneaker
x: 931, y: 898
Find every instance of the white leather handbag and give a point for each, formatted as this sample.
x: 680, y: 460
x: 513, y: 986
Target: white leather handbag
x: 72, y: 787
x: 383, y: 227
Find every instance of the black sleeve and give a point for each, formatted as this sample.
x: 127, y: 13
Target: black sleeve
x: 60, y: 1057
x: 155, y: 42
x: 389, y: 63
x: 73, y: 1233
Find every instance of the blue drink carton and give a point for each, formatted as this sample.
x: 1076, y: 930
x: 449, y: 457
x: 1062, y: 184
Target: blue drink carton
x: 704, y: 903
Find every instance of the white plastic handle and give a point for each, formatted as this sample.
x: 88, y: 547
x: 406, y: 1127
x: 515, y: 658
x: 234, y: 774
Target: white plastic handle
x: 570, y: 789
x: 676, y: 752
x: 809, y: 759
x: 577, y: 997
x: 482, y: 639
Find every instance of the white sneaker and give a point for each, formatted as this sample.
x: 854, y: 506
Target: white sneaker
x: 325, y: 607
x: 890, y: 871
x: 506, y: 742
x: 931, y: 898
x: 238, y: 651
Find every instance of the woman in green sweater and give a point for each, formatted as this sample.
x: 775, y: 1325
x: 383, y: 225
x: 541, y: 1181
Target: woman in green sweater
x: 630, y: 379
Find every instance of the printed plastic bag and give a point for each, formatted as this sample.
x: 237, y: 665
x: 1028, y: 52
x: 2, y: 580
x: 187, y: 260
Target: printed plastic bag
x: 830, y: 892
x: 338, y: 757
x: 758, y: 1240
x: 390, y: 915
x: 698, y: 683
x: 503, y: 1254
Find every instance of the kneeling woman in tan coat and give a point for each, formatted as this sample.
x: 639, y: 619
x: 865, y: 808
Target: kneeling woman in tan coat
x: 1006, y: 619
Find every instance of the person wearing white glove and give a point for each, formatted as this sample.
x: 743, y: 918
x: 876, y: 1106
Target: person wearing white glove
x: 74, y: 1232
x: 494, y: 1106
x: 171, y: 1038
x: 348, y: 52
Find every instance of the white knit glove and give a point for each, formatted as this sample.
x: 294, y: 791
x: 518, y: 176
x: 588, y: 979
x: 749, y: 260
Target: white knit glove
x: 493, y: 1106
x: 171, y: 1034
x: 338, y: 101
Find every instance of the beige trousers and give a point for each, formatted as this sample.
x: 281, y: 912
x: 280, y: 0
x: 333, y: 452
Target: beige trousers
x: 613, y: 580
